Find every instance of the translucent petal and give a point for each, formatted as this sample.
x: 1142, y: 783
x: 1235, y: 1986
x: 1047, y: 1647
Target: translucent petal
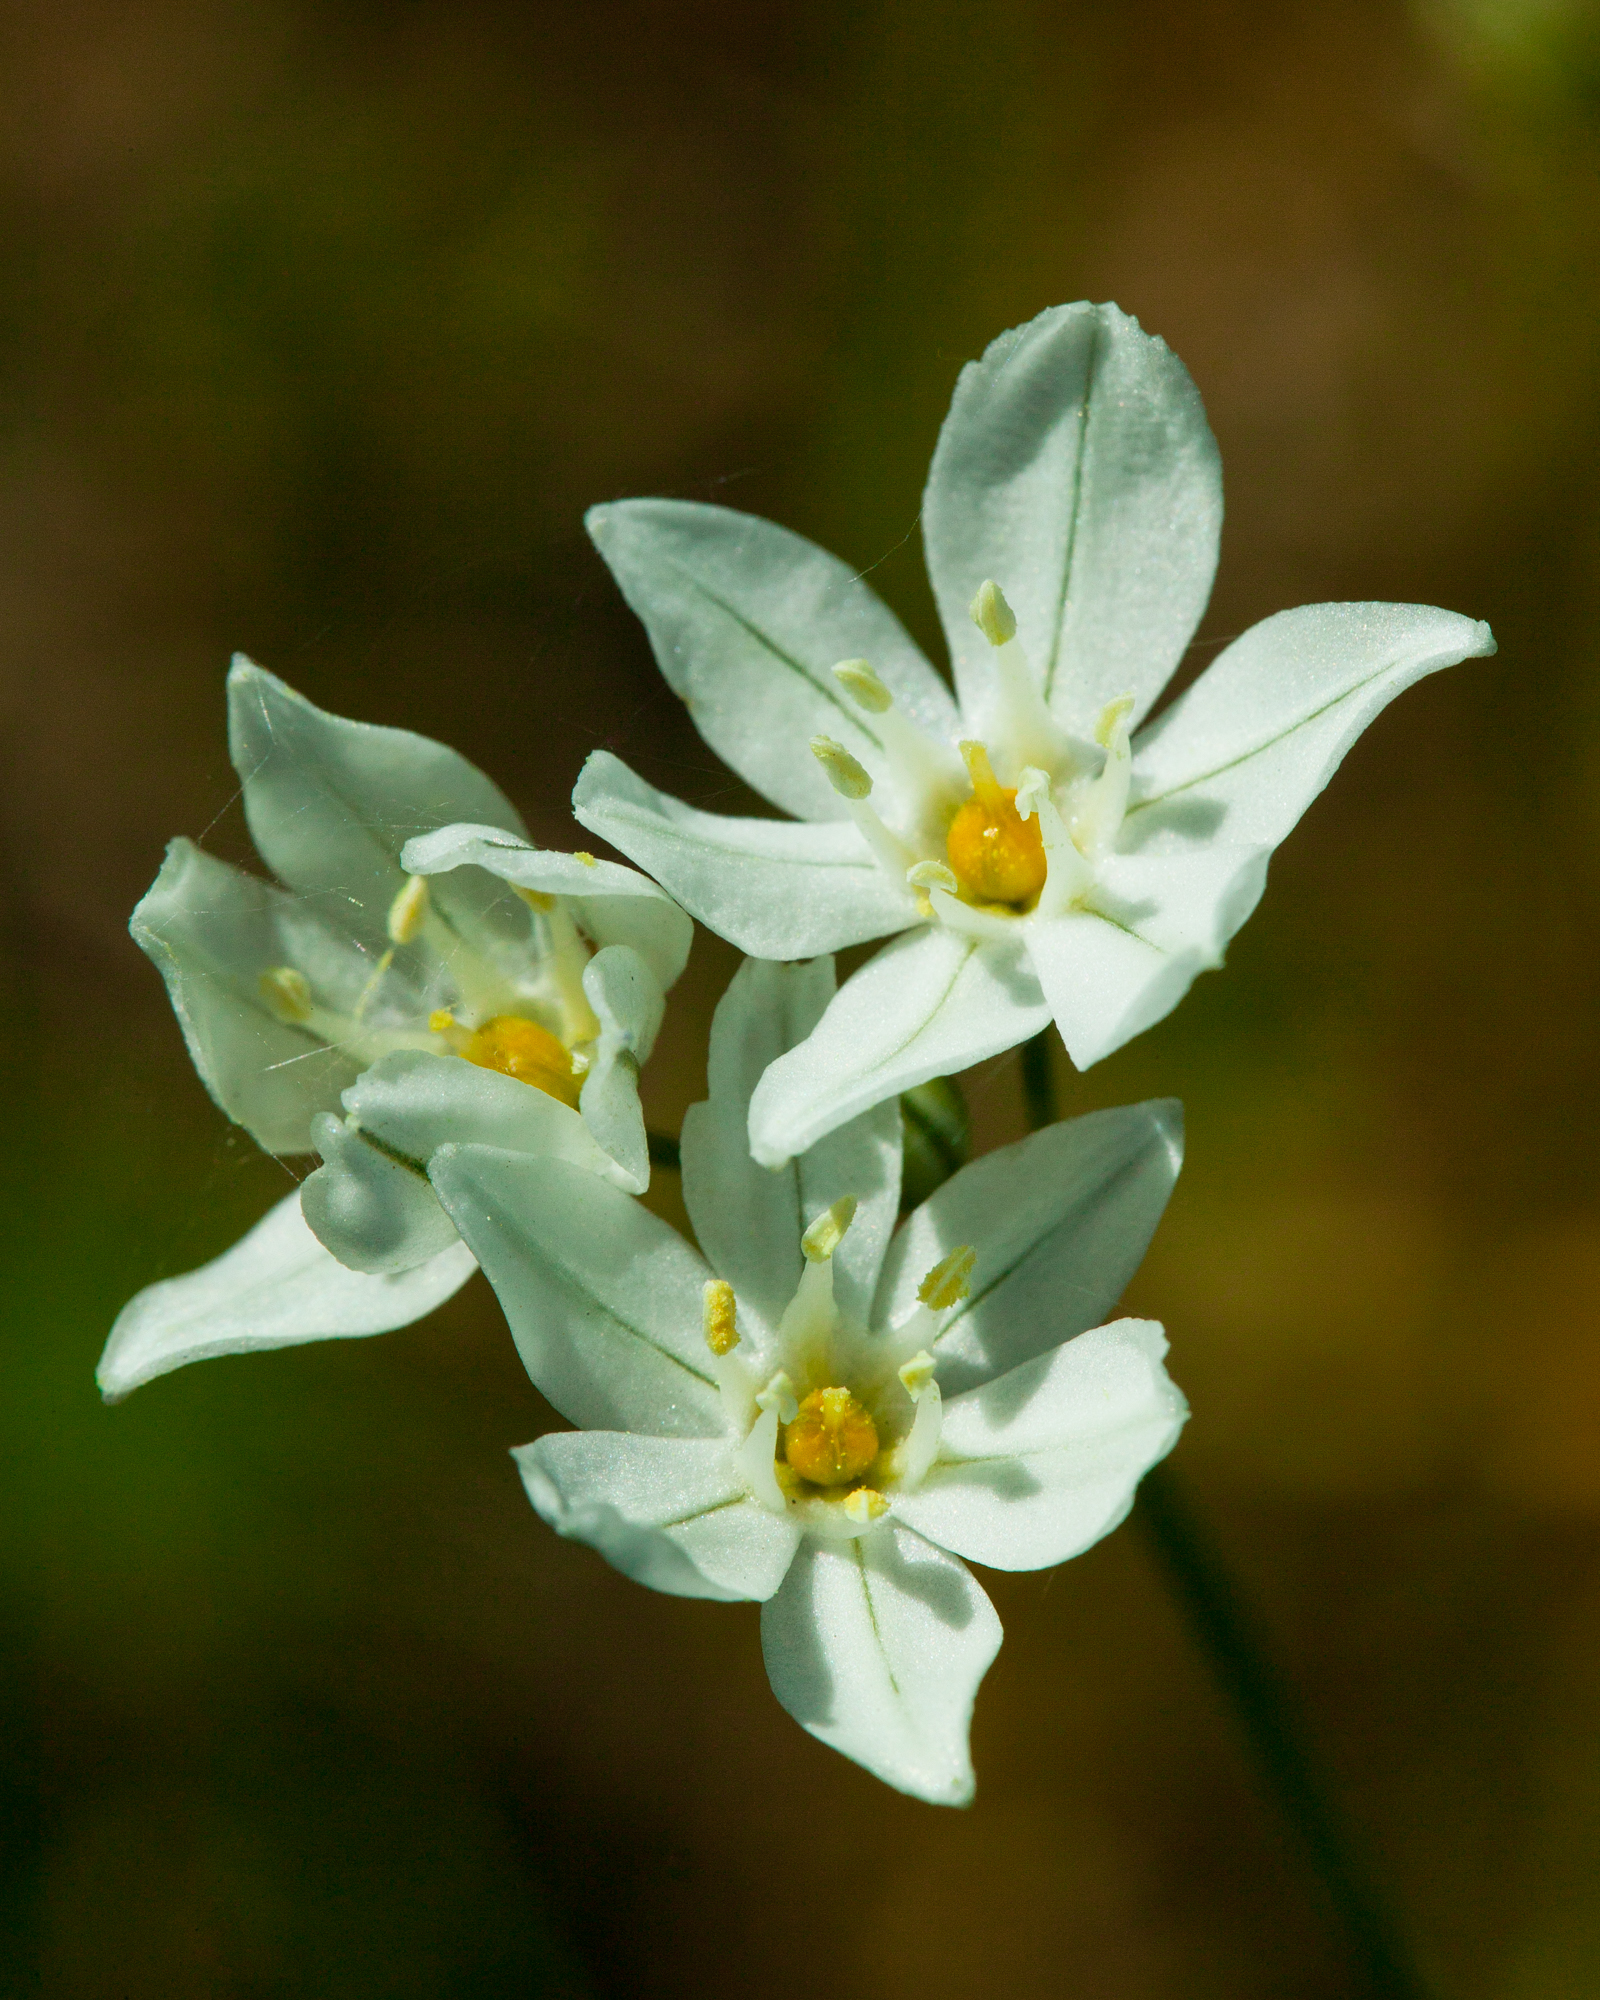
x: 1040, y: 1463
x: 748, y: 622
x: 1241, y: 754
x: 212, y: 931
x: 1059, y: 1221
x: 626, y: 999
x: 927, y: 1005
x: 877, y: 1648
x: 604, y: 1300
x: 773, y: 888
x: 669, y: 1512
x: 749, y: 1219
x: 373, y: 1211
x: 276, y: 1287
x: 1077, y: 469
x: 331, y: 802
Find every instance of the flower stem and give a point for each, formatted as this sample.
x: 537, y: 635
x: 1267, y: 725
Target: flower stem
x: 1264, y: 1708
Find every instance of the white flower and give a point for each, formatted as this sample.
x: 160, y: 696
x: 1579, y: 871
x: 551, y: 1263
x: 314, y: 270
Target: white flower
x: 1042, y: 859
x: 825, y: 1416
x: 423, y: 974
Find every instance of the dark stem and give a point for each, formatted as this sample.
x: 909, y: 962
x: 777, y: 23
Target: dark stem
x: 663, y: 1151
x: 1263, y: 1704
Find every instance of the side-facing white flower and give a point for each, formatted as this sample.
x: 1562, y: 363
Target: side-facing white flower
x: 824, y: 1416
x: 423, y: 974
x: 1043, y: 859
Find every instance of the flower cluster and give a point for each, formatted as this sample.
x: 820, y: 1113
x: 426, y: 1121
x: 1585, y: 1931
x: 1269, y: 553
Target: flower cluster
x: 827, y: 1407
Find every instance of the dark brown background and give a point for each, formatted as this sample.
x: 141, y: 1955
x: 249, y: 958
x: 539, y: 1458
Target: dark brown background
x: 322, y: 324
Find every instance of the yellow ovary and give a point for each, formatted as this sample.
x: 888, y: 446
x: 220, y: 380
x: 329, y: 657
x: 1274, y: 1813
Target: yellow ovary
x: 997, y: 855
x: 832, y: 1439
x: 522, y: 1049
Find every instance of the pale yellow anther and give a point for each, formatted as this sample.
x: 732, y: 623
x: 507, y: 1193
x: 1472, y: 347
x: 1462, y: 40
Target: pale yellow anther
x: 721, y: 1320
x: 986, y: 787
x: 864, y: 1505
x: 536, y: 899
x: 441, y: 1021
x: 917, y: 1373
x: 950, y: 1280
x: 863, y: 686
x: 1111, y: 715
x: 287, y: 992
x: 827, y: 1232
x: 588, y: 860
x: 933, y: 875
x: 1033, y: 791
x: 992, y: 615
x: 409, y: 910
x: 779, y: 1395
x: 848, y: 778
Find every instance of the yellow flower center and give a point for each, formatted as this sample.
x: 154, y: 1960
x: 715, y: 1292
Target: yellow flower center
x: 997, y: 855
x: 521, y: 1048
x: 832, y: 1440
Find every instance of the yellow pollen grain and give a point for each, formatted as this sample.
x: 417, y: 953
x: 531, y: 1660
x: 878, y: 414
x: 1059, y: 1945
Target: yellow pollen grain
x: 832, y: 1440
x: 996, y: 854
x: 586, y: 858
x: 522, y: 1049
x: 721, y: 1317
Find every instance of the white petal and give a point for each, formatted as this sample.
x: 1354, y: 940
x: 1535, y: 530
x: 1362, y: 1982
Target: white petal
x: 749, y: 1219
x: 748, y: 622
x: 276, y: 1287
x: 212, y: 931
x: 927, y: 1005
x: 1037, y: 1465
x: 374, y: 1211
x: 627, y: 1003
x: 1059, y: 1221
x: 877, y: 1648
x: 1243, y: 752
x: 605, y: 1301
x: 415, y: 1102
x: 669, y: 1512
x: 614, y: 905
x: 1076, y: 468
x: 773, y: 888
x: 332, y: 802
x: 1159, y: 921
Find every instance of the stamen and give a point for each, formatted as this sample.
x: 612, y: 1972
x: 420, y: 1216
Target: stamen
x: 854, y: 784
x: 865, y: 1504
x: 997, y: 855
x: 921, y: 1446
x: 409, y: 910
x: 583, y: 855
x: 993, y: 617
x: 1020, y: 724
x: 831, y: 1439
x: 1102, y: 804
x: 933, y: 875
x: 916, y: 1375
x: 779, y: 1397
x: 863, y: 686
x: 757, y: 1459
x: 848, y: 778
x: 948, y: 1283
x: 1068, y: 874
x: 721, y: 1317
x: 536, y: 899
x: 287, y: 992
x: 827, y: 1232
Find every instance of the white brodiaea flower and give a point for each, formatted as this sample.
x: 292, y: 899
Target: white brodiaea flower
x: 1045, y: 860
x: 423, y: 974
x: 823, y: 1417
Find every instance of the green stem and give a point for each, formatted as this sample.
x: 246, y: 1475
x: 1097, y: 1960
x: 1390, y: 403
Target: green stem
x: 1263, y: 1705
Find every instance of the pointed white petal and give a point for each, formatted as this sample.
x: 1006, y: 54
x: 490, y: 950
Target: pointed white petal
x: 276, y: 1287
x: 1077, y: 469
x: 1039, y: 1464
x: 1159, y: 920
x: 877, y: 1649
x: 374, y: 1211
x: 1243, y: 752
x: 748, y: 622
x: 605, y: 1301
x: 614, y: 905
x: 669, y: 1512
x: 927, y: 1005
x: 212, y: 931
x: 773, y: 888
x: 627, y: 1003
x: 332, y: 802
x: 749, y: 1219
x: 1059, y: 1221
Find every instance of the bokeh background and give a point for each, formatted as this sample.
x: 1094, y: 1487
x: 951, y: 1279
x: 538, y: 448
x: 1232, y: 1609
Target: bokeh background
x: 321, y: 325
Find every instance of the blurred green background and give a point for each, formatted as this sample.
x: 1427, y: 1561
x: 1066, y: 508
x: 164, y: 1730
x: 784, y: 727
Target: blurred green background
x: 322, y: 324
